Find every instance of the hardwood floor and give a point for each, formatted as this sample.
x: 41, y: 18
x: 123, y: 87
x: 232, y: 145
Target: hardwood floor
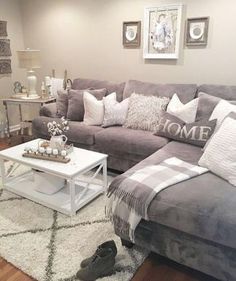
x: 11, y: 273
x: 155, y: 268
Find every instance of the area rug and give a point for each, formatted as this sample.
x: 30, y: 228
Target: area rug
x: 49, y: 246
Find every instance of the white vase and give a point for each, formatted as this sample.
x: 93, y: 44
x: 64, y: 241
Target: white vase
x: 58, y: 142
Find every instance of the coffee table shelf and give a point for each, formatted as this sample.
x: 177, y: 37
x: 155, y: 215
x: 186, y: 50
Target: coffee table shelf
x: 74, y: 195
x: 60, y: 201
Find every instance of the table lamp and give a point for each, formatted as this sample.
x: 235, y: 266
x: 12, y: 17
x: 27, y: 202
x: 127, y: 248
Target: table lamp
x: 30, y: 59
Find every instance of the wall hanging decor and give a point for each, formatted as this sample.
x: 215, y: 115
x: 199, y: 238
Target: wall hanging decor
x: 131, y: 34
x: 3, y: 28
x: 162, y: 26
x: 5, y: 66
x: 196, y: 31
x: 5, y: 50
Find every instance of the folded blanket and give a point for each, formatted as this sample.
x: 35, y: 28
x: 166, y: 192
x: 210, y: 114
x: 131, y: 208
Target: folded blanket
x: 130, y: 196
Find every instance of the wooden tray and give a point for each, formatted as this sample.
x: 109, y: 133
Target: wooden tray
x: 58, y: 158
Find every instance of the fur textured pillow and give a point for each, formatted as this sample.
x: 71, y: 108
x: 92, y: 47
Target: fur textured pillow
x: 115, y: 112
x: 144, y: 111
x: 196, y: 133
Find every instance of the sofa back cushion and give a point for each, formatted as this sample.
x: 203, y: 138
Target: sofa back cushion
x: 186, y: 92
x: 82, y: 83
x: 209, y: 97
x: 220, y: 91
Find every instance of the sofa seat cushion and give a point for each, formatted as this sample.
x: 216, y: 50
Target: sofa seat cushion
x: 78, y: 132
x: 203, y: 206
x: 128, y: 143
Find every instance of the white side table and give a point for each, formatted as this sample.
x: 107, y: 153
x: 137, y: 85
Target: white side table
x: 20, y: 102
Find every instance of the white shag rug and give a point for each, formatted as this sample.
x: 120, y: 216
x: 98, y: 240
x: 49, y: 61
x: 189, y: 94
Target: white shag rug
x: 49, y: 246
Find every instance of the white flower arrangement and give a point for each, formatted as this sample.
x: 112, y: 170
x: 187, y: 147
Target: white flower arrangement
x: 56, y: 129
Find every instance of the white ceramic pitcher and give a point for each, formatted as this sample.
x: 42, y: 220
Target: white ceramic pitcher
x: 58, y: 142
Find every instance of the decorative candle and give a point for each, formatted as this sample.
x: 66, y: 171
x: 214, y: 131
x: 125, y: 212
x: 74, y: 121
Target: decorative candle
x: 55, y: 152
x: 47, y: 81
x: 49, y: 150
x: 63, y: 153
x: 27, y: 149
x: 42, y: 150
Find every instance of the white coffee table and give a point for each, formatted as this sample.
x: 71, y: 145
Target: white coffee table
x: 74, y: 195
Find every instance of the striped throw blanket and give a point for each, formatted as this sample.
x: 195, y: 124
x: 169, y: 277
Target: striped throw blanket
x: 130, y: 196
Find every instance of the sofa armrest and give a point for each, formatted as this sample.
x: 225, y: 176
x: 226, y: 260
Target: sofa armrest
x: 48, y: 110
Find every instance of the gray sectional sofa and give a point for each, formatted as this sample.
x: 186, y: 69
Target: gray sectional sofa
x: 192, y: 222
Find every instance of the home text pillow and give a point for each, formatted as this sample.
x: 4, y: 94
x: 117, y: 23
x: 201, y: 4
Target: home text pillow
x: 186, y: 112
x: 144, y: 111
x: 222, y: 109
x: 94, y: 109
x: 196, y: 133
x: 220, y: 154
x: 76, y: 104
x: 62, y: 103
x: 115, y: 112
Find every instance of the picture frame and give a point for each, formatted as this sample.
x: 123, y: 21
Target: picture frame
x: 162, y: 29
x: 196, y: 33
x: 3, y: 28
x: 5, y: 49
x: 5, y: 66
x: 131, y: 34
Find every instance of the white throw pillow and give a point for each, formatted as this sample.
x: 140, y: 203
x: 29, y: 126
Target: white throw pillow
x: 187, y: 112
x: 222, y: 109
x: 220, y: 153
x: 115, y: 112
x: 94, y: 109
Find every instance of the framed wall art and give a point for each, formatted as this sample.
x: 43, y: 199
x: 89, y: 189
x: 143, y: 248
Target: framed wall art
x: 131, y: 34
x: 5, y: 66
x: 162, y: 26
x: 3, y: 28
x: 197, y: 31
x: 5, y: 50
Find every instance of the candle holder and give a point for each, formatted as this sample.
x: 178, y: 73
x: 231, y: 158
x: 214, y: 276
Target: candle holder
x: 45, y: 152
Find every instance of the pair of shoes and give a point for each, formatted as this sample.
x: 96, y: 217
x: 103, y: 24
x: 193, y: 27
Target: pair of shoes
x: 100, y: 264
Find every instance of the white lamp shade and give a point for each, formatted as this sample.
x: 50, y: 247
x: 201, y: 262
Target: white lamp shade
x: 29, y: 59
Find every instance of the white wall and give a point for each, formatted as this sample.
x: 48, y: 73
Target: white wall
x: 85, y: 37
x: 10, y: 11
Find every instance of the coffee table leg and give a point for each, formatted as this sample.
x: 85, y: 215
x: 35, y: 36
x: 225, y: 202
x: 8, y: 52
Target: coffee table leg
x: 3, y: 173
x: 104, y: 170
x: 72, y: 197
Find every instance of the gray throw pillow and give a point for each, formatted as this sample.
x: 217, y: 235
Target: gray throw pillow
x: 196, y: 133
x: 62, y: 103
x: 206, y: 105
x: 76, y: 103
x: 144, y: 111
